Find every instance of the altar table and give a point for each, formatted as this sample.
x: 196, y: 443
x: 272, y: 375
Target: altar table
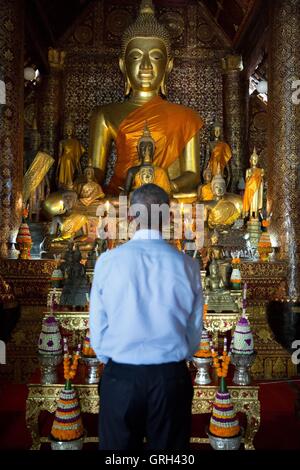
x: 45, y: 397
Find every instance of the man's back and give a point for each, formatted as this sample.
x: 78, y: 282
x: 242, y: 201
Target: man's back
x: 150, y: 295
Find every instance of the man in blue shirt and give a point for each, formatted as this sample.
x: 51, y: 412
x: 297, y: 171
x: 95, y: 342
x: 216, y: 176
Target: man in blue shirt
x: 146, y: 321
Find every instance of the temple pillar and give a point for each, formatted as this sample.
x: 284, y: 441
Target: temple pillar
x: 49, y: 110
x: 235, y: 99
x: 11, y: 122
x: 284, y: 136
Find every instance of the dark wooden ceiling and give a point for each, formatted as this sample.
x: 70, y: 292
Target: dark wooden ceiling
x: 47, y: 20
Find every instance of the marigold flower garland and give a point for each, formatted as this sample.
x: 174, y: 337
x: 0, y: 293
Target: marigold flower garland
x: 70, y: 369
x: 221, y: 364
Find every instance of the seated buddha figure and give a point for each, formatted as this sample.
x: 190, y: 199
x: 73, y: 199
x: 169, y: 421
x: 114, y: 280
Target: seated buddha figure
x: 90, y: 191
x: 219, y: 153
x: 66, y: 224
x: 254, y: 187
x: 214, y: 281
x: 204, y: 190
x: 146, y: 172
x: 70, y: 152
x: 226, y: 208
x: 146, y: 62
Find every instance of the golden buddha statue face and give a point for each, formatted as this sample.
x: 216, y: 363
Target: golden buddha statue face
x: 89, y: 174
x: 68, y: 129
x: 254, y: 159
x: 146, y: 64
x: 219, y: 187
x: 217, y: 132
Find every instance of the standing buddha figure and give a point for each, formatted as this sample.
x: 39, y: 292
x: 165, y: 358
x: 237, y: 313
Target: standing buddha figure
x: 146, y: 63
x: 146, y: 172
x: 70, y: 152
x: 254, y: 187
x: 219, y: 153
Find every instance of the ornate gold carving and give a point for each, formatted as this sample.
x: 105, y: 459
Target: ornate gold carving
x: 45, y: 397
x: 235, y: 103
x: 284, y: 141
x: 11, y: 120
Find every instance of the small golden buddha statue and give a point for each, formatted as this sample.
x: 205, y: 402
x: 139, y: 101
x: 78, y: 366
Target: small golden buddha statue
x: 214, y: 281
x: 204, y: 190
x: 146, y: 172
x: 70, y: 152
x: 254, y: 187
x: 146, y: 61
x: 214, y: 250
x: 219, y: 153
x: 90, y: 191
x: 226, y: 208
x: 66, y: 224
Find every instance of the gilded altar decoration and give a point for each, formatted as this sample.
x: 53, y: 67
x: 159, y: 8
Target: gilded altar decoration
x: 173, y: 127
x: 70, y: 152
x: 36, y: 173
x: 245, y: 400
x: 253, y: 195
x: 24, y: 240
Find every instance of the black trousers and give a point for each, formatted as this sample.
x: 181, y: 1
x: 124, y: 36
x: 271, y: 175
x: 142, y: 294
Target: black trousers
x: 145, y: 401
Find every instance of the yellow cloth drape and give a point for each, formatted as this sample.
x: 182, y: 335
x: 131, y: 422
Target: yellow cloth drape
x: 171, y: 126
x: 253, y: 183
x: 206, y: 193
x: 220, y: 156
x: 224, y: 213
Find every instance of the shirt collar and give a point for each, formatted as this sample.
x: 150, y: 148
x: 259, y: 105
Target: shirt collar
x: 147, y: 234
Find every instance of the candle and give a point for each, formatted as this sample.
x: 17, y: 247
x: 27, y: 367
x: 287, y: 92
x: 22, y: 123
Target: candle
x: 181, y: 208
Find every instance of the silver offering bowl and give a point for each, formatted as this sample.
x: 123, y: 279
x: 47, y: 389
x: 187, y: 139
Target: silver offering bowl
x: 93, y: 371
x: 225, y: 443
x: 48, y: 364
x: 202, y: 364
x: 76, y: 444
x: 242, y: 363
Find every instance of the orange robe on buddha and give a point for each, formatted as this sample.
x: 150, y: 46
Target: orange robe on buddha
x: 171, y: 126
x: 253, y: 184
x: 220, y: 156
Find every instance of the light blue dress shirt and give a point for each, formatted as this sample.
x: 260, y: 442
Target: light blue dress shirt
x: 146, y: 303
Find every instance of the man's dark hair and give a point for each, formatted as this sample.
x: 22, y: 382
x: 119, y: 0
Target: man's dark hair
x: 150, y: 195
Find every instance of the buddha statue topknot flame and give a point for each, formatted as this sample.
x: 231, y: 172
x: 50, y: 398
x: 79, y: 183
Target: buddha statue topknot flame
x: 146, y: 62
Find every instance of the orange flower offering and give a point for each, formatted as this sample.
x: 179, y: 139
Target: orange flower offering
x: 265, y: 223
x: 86, y: 349
x: 67, y: 424
x: 235, y: 261
x: 70, y: 369
x: 221, y: 364
x: 204, y: 348
x: 223, y: 421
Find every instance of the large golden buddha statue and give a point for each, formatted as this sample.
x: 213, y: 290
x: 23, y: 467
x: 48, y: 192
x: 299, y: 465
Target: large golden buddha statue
x: 146, y: 62
x: 146, y: 172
